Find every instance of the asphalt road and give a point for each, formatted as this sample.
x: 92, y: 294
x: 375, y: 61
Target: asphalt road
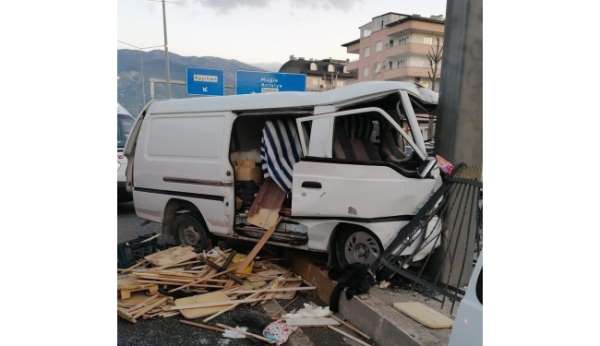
x: 169, y: 331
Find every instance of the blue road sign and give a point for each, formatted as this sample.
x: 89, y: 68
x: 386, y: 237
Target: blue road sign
x: 204, y: 81
x: 249, y: 82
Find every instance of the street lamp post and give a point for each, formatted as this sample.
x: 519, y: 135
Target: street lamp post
x: 168, y: 69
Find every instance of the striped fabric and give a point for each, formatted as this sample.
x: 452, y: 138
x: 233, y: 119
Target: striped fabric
x: 280, y: 149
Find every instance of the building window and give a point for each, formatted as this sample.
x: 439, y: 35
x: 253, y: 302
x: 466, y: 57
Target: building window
x: 391, y: 43
x: 428, y: 40
x: 403, y: 39
x: 390, y: 64
x: 313, y: 66
x: 366, y: 72
x: 378, y: 67
x: 378, y: 46
x: 366, y: 52
x: 345, y: 69
x: 330, y: 68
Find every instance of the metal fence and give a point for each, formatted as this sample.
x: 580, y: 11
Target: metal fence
x: 444, y: 272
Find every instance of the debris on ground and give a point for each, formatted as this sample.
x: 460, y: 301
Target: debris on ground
x: 278, y: 332
x: 200, y: 286
x: 179, y: 280
x: 424, y: 314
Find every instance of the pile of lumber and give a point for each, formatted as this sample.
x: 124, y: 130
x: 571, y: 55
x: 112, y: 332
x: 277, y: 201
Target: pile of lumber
x: 180, y: 280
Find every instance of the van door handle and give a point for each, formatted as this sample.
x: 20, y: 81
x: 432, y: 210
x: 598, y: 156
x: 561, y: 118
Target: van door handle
x: 311, y: 184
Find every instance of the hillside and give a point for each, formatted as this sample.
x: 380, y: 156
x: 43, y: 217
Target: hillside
x: 129, y: 93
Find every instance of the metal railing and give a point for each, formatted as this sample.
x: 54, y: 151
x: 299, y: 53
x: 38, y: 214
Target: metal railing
x: 445, y: 271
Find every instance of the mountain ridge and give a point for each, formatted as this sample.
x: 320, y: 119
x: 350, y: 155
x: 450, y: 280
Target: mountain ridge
x: 129, y: 85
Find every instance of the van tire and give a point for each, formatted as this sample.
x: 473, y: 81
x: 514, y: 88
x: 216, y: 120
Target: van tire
x: 356, y: 246
x: 191, y: 231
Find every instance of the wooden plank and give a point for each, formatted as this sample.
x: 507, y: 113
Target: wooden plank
x: 171, y: 256
x: 349, y: 336
x: 126, y: 315
x: 149, y: 307
x: 201, y: 280
x: 203, y: 326
x: 351, y: 327
x: 270, y: 290
x: 213, y: 304
x: 214, y: 297
x: 424, y: 314
x: 311, y: 322
x: 263, y: 240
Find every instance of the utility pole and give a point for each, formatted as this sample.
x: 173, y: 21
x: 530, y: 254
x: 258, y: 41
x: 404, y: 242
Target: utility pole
x: 167, y: 63
x: 459, y: 126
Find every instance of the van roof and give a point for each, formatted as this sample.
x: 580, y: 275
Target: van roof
x: 290, y: 99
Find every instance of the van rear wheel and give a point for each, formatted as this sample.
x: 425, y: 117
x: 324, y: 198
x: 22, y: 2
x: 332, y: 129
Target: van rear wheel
x: 357, y: 246
x: 191, y: 231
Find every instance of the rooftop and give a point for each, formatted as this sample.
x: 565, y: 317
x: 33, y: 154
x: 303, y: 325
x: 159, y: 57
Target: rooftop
x: 301, y: 65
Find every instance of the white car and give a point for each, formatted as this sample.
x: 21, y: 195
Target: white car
x: 468, y: 324
x: 350, y: 190
x: 124, y: 123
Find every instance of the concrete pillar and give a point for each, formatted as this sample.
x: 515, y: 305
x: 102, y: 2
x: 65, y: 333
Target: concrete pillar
x: 459, y: 130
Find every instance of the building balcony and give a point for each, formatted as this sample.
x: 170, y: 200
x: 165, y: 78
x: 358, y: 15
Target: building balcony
x: 403, y: 73
x: 407, y: 49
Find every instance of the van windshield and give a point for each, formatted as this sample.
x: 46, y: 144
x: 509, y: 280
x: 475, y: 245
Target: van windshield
x: 124, y: 123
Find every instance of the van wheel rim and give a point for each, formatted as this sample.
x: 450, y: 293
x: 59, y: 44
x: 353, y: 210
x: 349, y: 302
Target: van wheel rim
x: 190, y: 236
x: 362, y: 248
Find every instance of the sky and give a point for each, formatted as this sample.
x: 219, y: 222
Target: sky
x: 258, y: 31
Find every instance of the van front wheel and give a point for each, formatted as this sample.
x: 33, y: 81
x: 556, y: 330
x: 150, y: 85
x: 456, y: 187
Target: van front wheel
x: 192, y: 232
x: 357, y: 246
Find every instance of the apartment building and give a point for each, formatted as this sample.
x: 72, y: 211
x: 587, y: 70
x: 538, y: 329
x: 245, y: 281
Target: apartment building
x: 394, y: 46
x: 321, y: 74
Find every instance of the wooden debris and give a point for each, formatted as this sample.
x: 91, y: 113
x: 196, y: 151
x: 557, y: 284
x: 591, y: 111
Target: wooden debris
x: 351, y: 327
x: 203, y: 326
x: 354, y: 338
x: 214, y: 297
x: 311, y: 322
x: 211, y: 277
x: 171, y: 256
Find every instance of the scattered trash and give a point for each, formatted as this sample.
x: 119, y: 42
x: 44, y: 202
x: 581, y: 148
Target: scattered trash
x: 278, y: 332
x: 235, y: 333
x: 384, y: 284
x: 309, y: 310
x: 180, y: 281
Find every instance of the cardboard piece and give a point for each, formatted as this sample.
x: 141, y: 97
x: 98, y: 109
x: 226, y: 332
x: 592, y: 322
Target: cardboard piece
x: 247, y: 170
x: 424, y: 314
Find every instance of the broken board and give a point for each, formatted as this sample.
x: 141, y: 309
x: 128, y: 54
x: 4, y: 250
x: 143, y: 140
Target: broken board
x: 212, y: 297
x: 424, y: 314
x: 172, y: 256
x: 265, y: 208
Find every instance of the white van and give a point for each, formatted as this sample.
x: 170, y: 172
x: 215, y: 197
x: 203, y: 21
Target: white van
x: 350, y: 193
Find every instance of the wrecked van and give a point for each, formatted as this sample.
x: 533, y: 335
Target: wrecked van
x: 352, y: 162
